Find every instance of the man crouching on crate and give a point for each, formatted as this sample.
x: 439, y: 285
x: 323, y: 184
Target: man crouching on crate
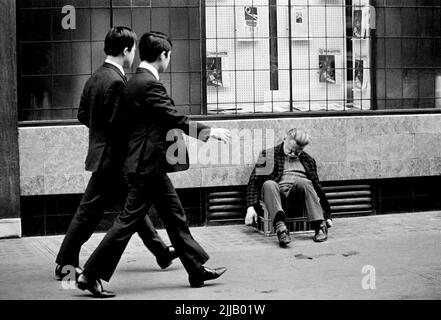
x: 293, y: 177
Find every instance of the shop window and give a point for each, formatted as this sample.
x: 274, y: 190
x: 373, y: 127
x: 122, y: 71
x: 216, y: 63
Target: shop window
x: 285, y: 56
x: 321, y: 55
x: 407, y: 54
x: 57, y: 56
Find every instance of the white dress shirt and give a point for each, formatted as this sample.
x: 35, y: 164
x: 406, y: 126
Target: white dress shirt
x: 152, y: 69
x: 116, y: 65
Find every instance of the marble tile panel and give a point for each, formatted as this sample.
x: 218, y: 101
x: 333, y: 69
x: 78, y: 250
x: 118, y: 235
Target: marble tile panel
x: 357, y: 170
x: 31, y: 186
x: 64, y: 160
x: 399, y: 124
x: 32, y: 161
x: 286, y: 124
x: 363, y: 148
x: 332, y: 171
x: 365, y: 125
x: 435, y: 166
x: 397, y: 146
x: 328, y: 127
x: 67, y: 136
x: 428, y: 145
x: 211, y: 153
x: 422, y: 167
x: 186, y: 179
x: 429, y: 123
x: 64, y: 184
x: 332, y: 149
x: 230, y: 176
x: 31, y: 138
x: 397, y: 168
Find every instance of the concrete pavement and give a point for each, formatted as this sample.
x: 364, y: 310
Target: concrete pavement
x: 376, y: 257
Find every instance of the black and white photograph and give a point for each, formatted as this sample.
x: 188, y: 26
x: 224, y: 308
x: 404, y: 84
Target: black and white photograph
x: 327, y: 68
x: 357, y: 24
x: 214, y: 72
x: 247, y: 23
x: 358, y: 74
x: 300, y: 23
x: 220, y: 159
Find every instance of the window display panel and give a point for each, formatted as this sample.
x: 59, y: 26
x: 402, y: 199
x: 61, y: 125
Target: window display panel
x: 238, y: 56
x: 299, y: 51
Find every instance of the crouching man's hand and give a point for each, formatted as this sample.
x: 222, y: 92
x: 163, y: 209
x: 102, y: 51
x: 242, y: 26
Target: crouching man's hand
x: 251, y: 217
x: 221, y: 134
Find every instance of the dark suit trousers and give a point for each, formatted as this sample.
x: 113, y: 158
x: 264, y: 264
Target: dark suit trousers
x: 101, y: 189
x: 145, y: 190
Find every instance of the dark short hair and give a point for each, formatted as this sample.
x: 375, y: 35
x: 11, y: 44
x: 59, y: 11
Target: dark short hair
x: 117, y: 39
x: 152, y: 44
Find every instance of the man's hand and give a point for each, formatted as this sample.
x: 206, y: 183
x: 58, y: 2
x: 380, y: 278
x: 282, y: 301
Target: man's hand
x: 221, y: 134
x: 251, y: 217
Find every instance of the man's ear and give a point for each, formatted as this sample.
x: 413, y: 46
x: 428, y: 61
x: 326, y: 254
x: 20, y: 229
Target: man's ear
x: 126, y: 51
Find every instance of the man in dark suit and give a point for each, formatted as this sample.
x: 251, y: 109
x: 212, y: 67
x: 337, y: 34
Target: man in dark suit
x: 155, y: 130
x: 287, y: 173
x: 102, y: 110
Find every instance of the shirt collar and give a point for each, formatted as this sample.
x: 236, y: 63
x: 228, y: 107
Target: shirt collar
x: 116, y: 65
x: 149, y: 67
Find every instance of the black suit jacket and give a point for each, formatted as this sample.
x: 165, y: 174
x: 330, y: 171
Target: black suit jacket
x: 102, y: 111
x: 275, y: 160
x: 152, y: 118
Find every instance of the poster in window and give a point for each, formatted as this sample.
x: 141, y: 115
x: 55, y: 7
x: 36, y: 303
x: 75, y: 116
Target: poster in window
x: 358, y: 77
x: 300, y: 23
x: 247, y: 23
x: 216, y: 66
x: 360, y: 24
x: 327, y: 68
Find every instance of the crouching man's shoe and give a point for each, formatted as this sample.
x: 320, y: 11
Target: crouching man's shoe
x: 94, y: 286
x: 321, y: 234
x: 166, y: 261
x: 283, y: 235
x: 61, y: 272
x: 329, y: 223
x: 197, y: 281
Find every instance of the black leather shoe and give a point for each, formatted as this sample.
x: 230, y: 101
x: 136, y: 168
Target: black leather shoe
x: 59, y: 274
x: 94, y: 286
x: 197, y: 281
x: 166, y: 261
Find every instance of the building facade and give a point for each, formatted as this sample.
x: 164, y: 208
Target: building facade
x: 362, y: 77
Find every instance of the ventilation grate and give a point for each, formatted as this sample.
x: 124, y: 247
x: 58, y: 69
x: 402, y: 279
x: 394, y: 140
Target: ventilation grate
x: 226, y: 206
x: 350, y: 200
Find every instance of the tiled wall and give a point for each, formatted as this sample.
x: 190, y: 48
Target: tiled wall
x: 346, y: 148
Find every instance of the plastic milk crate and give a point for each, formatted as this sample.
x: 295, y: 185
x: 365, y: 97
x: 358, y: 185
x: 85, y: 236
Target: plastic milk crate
x: 294, y: 224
